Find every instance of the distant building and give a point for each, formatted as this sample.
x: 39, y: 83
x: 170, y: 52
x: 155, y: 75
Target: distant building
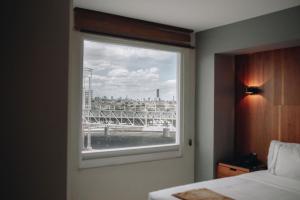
x: 157, y: 95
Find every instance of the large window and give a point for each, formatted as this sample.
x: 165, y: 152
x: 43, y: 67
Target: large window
x: 130, y: 97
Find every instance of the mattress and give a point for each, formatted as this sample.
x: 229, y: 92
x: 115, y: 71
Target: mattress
x: 259, y: 185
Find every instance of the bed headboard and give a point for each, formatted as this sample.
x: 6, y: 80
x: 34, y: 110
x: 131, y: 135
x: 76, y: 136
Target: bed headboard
x: 275, y: 113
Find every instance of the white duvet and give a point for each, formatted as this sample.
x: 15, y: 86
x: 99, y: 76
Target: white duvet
x: 259, y: 185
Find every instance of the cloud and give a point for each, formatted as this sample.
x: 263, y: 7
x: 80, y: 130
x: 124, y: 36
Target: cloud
x: 154, y: 69
x: 123, y: 71
x: 118, y: 73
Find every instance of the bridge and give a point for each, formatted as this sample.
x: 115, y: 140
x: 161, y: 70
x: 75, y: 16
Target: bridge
x: 134, y: 118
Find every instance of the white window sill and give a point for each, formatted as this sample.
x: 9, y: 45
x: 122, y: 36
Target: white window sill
x: 90, y: 159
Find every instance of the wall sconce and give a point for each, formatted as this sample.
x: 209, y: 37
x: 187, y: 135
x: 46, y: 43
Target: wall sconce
x: 252, y: 90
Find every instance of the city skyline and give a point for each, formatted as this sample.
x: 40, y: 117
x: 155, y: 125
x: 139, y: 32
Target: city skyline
x: 128, y: 98
x: 132, y: 72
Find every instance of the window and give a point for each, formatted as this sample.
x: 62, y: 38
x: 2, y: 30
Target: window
x: 130, y: 99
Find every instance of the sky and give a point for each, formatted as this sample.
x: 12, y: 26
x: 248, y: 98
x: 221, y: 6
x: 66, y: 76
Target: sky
x: 132, y: 72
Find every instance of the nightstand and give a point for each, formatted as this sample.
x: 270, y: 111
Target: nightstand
x: 233, y: 169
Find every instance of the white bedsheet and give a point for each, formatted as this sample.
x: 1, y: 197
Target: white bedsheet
x: 259, y: 185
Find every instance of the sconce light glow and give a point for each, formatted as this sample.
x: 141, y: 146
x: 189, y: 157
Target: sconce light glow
x: 252, y: 90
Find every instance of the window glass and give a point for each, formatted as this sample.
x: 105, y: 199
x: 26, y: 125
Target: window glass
x: 129, y: 96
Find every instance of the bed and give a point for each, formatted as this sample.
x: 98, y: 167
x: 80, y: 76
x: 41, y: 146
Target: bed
x: 276, y: 183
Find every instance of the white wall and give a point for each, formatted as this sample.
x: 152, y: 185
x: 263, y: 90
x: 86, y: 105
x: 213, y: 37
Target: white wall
x: 128, y: 181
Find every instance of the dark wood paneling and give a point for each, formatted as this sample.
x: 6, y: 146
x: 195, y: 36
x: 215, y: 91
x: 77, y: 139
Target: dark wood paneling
x: 115, y: 25
x: 290, y: 127
x: 274, y: 114
x: 291, y: 75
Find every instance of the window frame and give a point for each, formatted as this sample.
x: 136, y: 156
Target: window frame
x: 134, y: 154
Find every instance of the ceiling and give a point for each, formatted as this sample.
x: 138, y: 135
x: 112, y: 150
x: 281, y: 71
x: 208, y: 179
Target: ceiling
x: 194, y: 14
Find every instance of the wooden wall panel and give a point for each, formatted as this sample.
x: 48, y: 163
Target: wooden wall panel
x: 274, y: 114
x: 291, y: 76
x: 290, y: 126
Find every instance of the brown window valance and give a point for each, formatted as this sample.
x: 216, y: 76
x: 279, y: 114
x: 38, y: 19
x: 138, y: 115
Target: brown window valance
x: 115, y: 25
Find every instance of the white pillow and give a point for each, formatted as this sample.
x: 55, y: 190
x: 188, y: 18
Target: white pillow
x: 271, y: 158
x: 284, y: 159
